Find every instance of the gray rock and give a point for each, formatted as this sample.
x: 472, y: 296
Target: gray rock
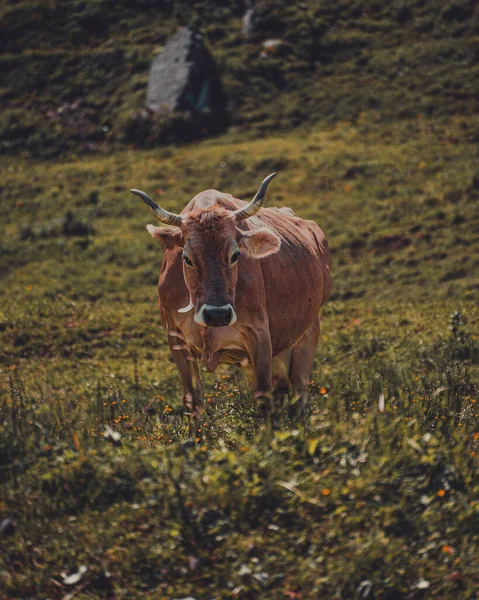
x: 184, y: 78
x: 249, y: 22
x: 7, y: 527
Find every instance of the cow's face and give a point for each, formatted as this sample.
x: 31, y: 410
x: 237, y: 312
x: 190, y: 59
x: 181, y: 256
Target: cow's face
x: 212, y: 251
x: 212, y: 246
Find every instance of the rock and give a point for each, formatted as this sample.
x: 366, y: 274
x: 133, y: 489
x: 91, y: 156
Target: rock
x: 270, y: 47
x: 7, y: 527
x: 249, y: 22
x: 184, y: 78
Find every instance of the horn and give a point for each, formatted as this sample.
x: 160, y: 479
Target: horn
x: 253, y: 207
x: 163, y: 216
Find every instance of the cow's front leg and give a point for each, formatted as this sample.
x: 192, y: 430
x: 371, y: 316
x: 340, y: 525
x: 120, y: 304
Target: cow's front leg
x: 190, y: 381
x: 261, y: 354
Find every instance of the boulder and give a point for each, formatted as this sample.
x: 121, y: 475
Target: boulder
x: 249, y: 22
x: 184, y: 78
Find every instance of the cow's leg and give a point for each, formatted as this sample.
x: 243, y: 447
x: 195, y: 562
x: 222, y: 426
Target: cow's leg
x: 190, y: 381
x: 261, y: 355
x: 300, y: 371
x: 281, y: 367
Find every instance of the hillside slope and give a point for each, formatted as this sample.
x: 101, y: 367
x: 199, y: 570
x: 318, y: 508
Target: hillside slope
x: 74, y: 77
x: 373, y: 133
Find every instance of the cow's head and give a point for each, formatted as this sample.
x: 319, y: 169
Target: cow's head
x: 212, y: 246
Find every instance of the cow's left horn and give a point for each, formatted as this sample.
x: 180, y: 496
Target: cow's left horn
x: 253, y: 207
x: 161, y: 215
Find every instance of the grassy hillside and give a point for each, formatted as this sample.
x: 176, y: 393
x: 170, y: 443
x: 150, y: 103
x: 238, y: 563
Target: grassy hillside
x: 357, y: 503
x: 74, y: 77
x: 368, y: 113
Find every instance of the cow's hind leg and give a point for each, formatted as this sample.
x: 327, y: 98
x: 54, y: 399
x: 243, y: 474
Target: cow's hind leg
x: 190, y: 381
x: 302, y: 360
x: 281, y: 367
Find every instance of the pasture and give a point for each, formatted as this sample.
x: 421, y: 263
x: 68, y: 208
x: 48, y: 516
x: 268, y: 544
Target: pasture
x: 375, y: 495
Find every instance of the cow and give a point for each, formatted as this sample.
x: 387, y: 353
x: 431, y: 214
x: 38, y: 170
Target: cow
x: 241, y: 284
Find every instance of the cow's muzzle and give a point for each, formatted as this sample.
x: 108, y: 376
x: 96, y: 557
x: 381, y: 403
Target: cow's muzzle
x: 215, y: 316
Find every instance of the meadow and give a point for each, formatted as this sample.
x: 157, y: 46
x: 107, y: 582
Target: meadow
x: 374, y: 495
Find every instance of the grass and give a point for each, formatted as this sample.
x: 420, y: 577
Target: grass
x: 356, y: 503
x: 74, y: 81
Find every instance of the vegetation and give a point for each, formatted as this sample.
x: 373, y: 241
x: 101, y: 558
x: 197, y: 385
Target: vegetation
x: 375, y: 495
x: 357, y: 503
x: 74, y: 78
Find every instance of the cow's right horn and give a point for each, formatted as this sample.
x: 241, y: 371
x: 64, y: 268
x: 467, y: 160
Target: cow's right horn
x: 253, y: 207
x: 163, y: 216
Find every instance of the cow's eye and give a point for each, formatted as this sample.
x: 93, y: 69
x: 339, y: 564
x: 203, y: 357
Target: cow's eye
x: 187, y: 260
x: 235, y: 256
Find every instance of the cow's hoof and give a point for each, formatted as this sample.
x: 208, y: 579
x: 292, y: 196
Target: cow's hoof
x: 188, y: 444
x: 266, y: 407
x: 297, y: 409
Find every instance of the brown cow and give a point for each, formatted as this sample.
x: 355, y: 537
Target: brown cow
x: 241, y: 289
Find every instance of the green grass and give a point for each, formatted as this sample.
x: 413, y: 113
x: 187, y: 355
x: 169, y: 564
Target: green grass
x: 355, y: 503
x: 74, y: 81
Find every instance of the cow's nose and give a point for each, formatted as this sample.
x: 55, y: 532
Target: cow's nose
x: 218, y: 316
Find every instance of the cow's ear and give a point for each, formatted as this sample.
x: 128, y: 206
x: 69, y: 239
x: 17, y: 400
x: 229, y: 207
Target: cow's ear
x: 259, y: 243
x: 169, y: 237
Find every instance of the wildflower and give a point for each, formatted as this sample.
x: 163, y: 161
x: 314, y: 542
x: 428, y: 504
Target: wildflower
x: 441, y: 493
x: 325, y: 492
x: 323, y: 390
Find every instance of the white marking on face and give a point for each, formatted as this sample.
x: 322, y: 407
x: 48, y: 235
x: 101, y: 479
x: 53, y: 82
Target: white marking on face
x: 200, y: 319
